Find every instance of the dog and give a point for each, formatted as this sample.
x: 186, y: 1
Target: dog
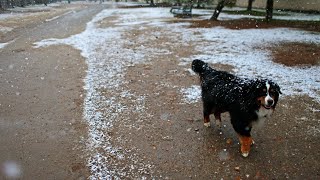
x: 248, y: 101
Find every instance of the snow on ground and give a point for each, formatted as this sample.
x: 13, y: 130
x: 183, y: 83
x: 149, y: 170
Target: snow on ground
x: 281, y: 15
x: 106, y: 67
x: 191, y: 94
x: 299, y: 16
x: 2, y: 45
x: 239, y: 48
x: 107, y: 62
x: 5, y: 29
x: 108, y: 58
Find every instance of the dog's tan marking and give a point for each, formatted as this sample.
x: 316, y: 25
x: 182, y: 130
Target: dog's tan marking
x: 245, y: 143
x: 206, y: 121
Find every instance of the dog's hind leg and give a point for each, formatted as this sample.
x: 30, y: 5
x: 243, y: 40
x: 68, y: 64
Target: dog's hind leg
x: 207, y: 110
x: 217, y: 116
x: 206, y: 120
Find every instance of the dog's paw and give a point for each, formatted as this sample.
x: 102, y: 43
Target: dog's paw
x: 245, y: 143
x: 245, y: 154
x: 207, y: 124
x: 245, y: 149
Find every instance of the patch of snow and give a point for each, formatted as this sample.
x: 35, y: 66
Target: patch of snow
x: 284, y: 15
x: 4, y: 29
x: 191, y: 94
x: 239, y: 49
x: 142, y: 16
x: 298, y: 16
x: 2, y: 45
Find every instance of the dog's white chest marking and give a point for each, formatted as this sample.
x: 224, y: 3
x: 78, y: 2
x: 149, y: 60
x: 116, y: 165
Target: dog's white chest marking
x: 264, y: 113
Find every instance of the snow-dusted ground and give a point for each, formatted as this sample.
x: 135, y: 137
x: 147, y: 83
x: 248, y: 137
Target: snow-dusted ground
x: 237, y: 48
x: 108, y: 59
x: 285, y: 15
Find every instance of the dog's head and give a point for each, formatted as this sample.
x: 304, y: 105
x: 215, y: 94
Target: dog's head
x: 267, y: 93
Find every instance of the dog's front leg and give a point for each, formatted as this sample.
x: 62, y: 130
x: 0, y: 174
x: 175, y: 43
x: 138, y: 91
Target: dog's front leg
x: 245, y: 143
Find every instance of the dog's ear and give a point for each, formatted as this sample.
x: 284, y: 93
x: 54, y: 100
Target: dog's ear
x: 278, y: 88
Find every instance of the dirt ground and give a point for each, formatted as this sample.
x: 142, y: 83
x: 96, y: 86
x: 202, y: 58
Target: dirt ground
x: 247, y: 23
x: 176, y: 140
x: 41, y: 106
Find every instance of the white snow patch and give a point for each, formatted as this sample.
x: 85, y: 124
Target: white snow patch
x: 3, y: 45
x: 238, y: 48
x: 5, y: 29
x: 191, y: 94
x: 283, y: 15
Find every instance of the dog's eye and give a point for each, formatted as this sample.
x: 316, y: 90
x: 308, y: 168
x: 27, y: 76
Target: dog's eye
x: 272, y: 90
x: 264, y: 90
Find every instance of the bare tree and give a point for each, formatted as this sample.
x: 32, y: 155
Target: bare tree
x: 198, y: 4
x: 218, y: 10
x: 269, y: 9
x: 152, y: 3
x: 220, y: 6
x: 249, y: 8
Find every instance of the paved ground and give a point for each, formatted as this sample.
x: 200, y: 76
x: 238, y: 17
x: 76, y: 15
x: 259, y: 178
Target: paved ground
x: 41, y: 97
x: 44, y: 135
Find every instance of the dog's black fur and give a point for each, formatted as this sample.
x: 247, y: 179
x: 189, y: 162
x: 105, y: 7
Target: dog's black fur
x: 242, y: 98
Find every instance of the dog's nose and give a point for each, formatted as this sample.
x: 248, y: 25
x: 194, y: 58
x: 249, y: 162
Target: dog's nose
x: 270, y: 102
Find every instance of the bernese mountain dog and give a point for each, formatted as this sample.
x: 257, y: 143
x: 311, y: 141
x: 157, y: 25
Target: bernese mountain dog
x: 247, y: 100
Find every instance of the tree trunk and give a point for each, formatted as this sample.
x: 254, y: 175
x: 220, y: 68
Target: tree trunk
x: 269, y: 9
x: 249, y: 8
x: 179, y: 3
x: 152, y: 3
x: 198, y: 3
x: 217, y: 10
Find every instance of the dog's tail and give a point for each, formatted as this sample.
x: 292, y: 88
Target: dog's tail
x: 199, y: 66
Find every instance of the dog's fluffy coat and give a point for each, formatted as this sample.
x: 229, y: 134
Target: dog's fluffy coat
x: 247, y: 100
